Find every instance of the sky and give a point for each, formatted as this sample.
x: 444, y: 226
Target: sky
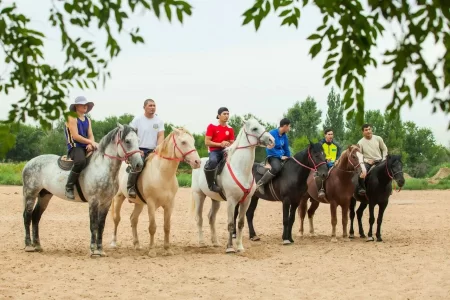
x: 211, y: 60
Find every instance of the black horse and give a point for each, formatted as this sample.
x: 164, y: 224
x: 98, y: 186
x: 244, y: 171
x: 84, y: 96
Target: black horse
x: 288, y: 186
x: 379, y: 188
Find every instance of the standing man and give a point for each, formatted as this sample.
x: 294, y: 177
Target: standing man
x: 150, y: 130
x: 276, y: 154
x: 218, y: 136
x: 373, y: 149
x: 331, y: 149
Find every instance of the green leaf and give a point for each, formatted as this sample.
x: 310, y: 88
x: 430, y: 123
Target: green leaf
x: 328, y: 80
x: 329, y: 64
x: 180, y: 15
x: 315, y: 49
x: 168, y: 11
x: 314, y: 36
x: 284, y: 13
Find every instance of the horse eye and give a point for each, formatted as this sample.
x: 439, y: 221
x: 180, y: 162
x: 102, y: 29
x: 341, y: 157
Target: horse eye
x: 183, y: 143
x: 255, y: 129
x: 127, y: 141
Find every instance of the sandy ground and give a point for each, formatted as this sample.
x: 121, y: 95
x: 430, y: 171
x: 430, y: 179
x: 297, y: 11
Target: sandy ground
x: 413, y: 262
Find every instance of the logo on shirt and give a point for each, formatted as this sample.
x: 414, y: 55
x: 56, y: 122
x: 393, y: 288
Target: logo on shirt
x: 155, y: 126
x: 227, y: 132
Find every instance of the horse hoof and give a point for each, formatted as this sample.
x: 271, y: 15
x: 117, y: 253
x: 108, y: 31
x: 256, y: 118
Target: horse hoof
x: 346, y: 239
x: 312, y: 234
x: 230, y: 250
x: 101, y: 253
x: 255, y: 238
x: 363, y: 236
x: 168, y: 252
x: 30, y: 249
x: 370, y: 239
x: 379, y: 239
x: 113, y: 245
x: 38, y: 248
x: 241, y: 250
x: 201, y: 245
x: 351, y: 236
x: 137, y: 247
x: 286, y: 242
x: 233, y: 235
x: 152, y: 253
x: 216, y: 244
x: 334, y: 240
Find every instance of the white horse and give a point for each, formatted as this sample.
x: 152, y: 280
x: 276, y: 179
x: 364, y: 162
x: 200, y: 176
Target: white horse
x: 236, y: 181
x: 158, y: 185
x: 42, y: 178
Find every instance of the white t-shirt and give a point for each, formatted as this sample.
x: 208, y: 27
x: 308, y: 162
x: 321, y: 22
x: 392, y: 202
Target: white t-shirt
x: 147, y: 130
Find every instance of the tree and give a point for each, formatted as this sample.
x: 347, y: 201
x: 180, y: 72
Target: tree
x: 335, y: 115
x: 305, y: 119
x: 27, y: 143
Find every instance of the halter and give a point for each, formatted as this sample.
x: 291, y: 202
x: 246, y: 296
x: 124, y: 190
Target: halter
x: 348, y: 158
x: 175, y: 147
x: 258, y: 139
x: 311, y: 159
x: 392, y: 176
x: 127, y: 154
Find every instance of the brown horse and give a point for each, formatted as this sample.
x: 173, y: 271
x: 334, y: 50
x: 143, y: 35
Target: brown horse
x: 339, y: 190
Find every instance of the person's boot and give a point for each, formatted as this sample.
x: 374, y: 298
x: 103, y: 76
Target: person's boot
x: 131, y: 184
x: 71, y: 180
x: 320, y: 191
x: 361, y: 187
x: 265, y: 179
x: 210, y: 174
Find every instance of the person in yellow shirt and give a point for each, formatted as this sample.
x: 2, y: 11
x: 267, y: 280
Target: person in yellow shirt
x: 331, y: 149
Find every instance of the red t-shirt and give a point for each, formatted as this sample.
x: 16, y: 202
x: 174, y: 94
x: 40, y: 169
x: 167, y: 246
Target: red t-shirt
x: 219, y: 133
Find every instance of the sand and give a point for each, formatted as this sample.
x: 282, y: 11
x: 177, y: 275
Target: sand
x: 413, y: 262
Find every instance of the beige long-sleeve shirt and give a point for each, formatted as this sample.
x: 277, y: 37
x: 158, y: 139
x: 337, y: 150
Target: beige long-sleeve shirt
x: 374, y: 149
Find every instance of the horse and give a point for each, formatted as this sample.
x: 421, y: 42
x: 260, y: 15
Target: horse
x: 288, y: 186
x: 379, y: 189
x: 236, y: 181
x: 157, y: 186
x: 43, y: 177
x: 339, y: 191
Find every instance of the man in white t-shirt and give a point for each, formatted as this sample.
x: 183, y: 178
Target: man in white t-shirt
x: 150, y: 129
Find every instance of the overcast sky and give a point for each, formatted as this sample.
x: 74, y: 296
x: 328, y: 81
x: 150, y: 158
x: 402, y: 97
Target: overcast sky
x: 211, y: 61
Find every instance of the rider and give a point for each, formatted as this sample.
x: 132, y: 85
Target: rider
x: 373, y: 150
x: 276, y: 154
x: 330, y: 147
x: 80, y: 140
x: 218, y: 136
x: 150, y: 130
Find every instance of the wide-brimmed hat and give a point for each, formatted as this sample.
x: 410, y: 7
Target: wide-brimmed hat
x: 81, y: 100
x: 220, y: 111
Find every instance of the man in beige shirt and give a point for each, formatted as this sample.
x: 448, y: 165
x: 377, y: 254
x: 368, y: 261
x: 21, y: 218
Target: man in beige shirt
x: 373, y: 149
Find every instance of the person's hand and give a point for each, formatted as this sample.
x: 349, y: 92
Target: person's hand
x: 328, y: 160
x: 94, y: 145
x: 89, y: 148
x: 284, y: 157
x: 370, y: 161
x: 225, y: 144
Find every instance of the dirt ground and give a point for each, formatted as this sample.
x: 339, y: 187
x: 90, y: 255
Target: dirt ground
x: 413, y: 262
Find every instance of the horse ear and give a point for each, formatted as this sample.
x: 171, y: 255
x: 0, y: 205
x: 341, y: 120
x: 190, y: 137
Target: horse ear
x: 120, y: 126
x: 243, y: 122
x: 176, y: 130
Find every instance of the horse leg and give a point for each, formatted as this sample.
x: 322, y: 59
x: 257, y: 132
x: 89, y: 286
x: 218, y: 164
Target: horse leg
x: 215, y: 205
x: 352, y: 217
x: 39, y: 209
x: 134, y: 219
x: 151, y: 227
x: 302, y: 213
x: 29, y: 201
x: 311, y: 211
x: 93, y: 216
x: 236, y: 212
x: 285, y: 237
x: 243, y: 207
x: 199, y: 199
x: 250, y: 214
x: 103, y: 210
x: 345, y: 222
x: 359, y: 214
x: 116, y: 207
x: 333, y: 210
x: 293, y: 208
x: 230, y: 211
x: 371, y: 221
x: 381, y: 209
x: 167, y: 215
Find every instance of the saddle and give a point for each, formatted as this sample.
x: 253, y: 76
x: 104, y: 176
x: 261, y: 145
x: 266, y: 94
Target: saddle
x: 263, y: 167
x: 66, y: 164
x: 218, y: 171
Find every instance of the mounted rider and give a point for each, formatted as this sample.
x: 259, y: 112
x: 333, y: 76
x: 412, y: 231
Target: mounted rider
x: 217, y: 138
x: 150, y: 130
x: 374, y: 151
x: 80, y: 140
x: 280, y: 152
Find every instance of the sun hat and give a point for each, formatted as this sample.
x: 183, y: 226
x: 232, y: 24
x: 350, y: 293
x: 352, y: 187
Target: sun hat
x: 81, y: 100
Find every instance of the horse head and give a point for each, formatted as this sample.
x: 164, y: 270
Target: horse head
x: 183, y: 144
x: 256, y: 134
x: 316, y: 159
x: 355, y: 159
x: 394, y: 169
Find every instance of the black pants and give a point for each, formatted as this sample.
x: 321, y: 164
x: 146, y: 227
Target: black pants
x: 275, y: 163
x: 78, y: 155
x: 214, y: 158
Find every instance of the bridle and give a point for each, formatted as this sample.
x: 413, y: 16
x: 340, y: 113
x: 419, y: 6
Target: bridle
x: 355, y: 167
x: 127, y: 154
x: 392, y: 176
x: 258, y: 139
x: 311, y: 159
x: 175, y: 147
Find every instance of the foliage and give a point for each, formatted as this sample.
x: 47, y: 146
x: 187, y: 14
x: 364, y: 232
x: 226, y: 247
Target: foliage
x: 335, y: 116
x: 305, y: 119
x: 352, y: 33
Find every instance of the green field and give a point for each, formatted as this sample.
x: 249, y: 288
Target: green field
x: 10, y: 174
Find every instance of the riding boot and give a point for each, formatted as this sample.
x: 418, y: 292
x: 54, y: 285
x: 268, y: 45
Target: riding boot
x: 361, y: 187
x: 210, y: 174
x: 71, y: 180
x: 265, y: 179
x: 131, y: 184
x: 320, y: 190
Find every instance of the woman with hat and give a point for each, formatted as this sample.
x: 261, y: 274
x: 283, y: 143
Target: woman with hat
x: 80, y: 140
x: 218, y: 136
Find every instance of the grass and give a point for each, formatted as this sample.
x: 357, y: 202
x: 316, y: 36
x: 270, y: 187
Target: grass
x: 11, y: 174
x: 435, y: 169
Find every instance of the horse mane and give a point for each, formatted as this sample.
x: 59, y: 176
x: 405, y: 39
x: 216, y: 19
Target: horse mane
x: 110, y: 137
x: 345, y: 153
x: 230, y: 150
x: 162, y: 149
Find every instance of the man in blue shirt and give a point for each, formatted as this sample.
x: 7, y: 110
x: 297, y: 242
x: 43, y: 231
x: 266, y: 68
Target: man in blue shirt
x: 276, y: 154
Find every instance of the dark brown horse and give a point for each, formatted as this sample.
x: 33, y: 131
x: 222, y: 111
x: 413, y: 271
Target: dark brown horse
x: 339, y: 190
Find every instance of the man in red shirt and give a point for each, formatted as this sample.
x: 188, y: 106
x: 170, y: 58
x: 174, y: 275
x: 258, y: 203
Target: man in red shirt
x: 218, y: 136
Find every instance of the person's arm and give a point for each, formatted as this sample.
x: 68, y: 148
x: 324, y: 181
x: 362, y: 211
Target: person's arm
x: 72, y: 124
x: 208, y: 137
x: 160, y: 134
x: 384, y: 149
x: 286, y: 146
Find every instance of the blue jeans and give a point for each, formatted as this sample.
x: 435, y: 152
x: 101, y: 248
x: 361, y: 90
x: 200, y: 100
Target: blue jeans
x: 214, y: 158
x: 330, y: 164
